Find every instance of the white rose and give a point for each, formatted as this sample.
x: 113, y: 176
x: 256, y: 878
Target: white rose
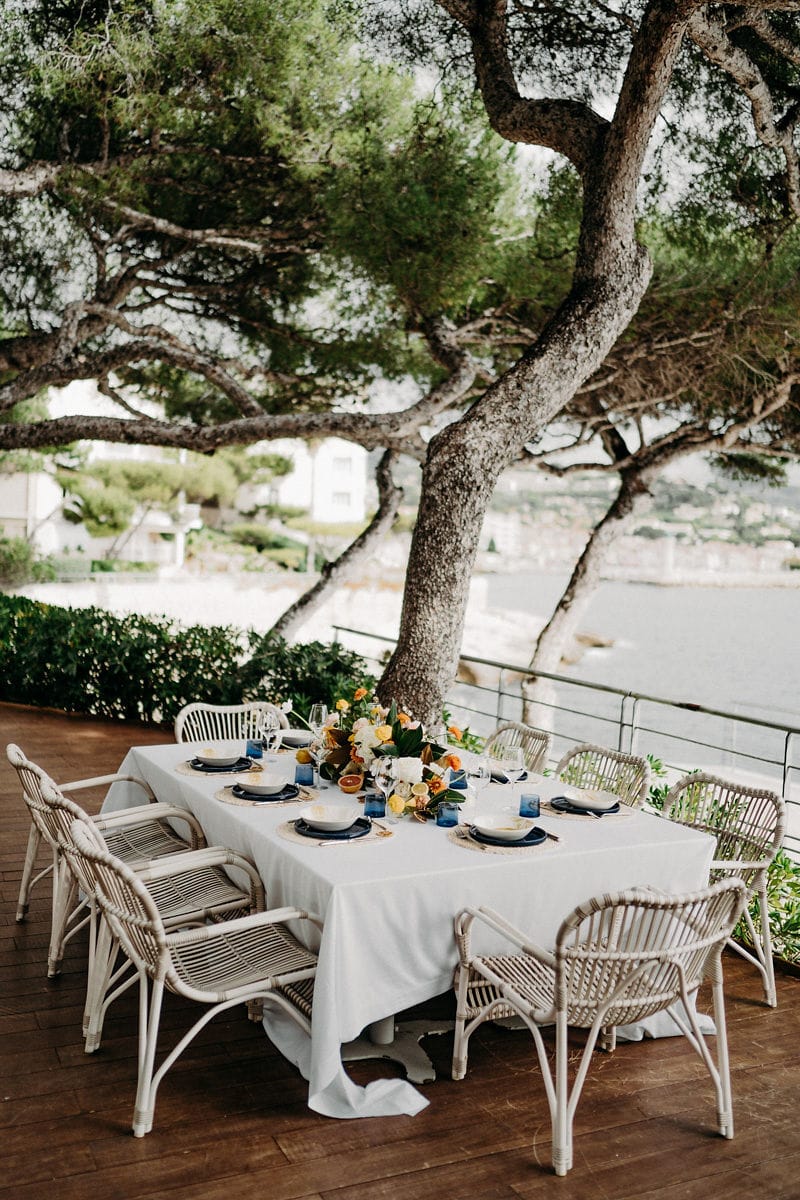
x: 408, y: 770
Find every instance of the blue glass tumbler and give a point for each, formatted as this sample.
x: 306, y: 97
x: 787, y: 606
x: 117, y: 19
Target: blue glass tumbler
x: 374, y: 805
x: 254, y: 749
x: 447, y: 813
x: 528, y: 805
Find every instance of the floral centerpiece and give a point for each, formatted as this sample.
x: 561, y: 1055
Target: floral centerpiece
x: 362, y: 737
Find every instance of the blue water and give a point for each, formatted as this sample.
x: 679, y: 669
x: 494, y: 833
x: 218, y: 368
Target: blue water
x: 730, y: 648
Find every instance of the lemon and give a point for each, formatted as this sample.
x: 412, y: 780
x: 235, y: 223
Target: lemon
x: 303, y: 756
x: 397, y: 803
x: 419, y: 789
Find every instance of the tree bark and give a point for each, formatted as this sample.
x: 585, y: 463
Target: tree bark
x: 633, y: 496
x: 341, y: 569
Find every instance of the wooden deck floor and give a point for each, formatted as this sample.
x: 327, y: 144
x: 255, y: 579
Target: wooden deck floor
x: 231, y: 1118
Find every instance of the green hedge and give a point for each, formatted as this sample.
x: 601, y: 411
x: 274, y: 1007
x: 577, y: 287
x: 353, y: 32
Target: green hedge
x: 138, y: 668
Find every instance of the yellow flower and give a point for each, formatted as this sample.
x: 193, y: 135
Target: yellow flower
x: 383, y: 733
x: 342, y: 705
x: 396, y: 803
x: 359, y: 693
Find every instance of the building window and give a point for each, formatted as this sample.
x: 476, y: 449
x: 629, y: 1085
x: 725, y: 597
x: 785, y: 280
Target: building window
x: 341, y: 499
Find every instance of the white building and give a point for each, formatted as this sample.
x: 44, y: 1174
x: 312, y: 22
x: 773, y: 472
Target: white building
x: 329, y: 480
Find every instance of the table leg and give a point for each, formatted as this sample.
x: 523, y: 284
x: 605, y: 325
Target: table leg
x: 398, y: 1043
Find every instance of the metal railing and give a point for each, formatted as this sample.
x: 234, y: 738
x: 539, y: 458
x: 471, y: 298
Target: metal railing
x: 683, y: 735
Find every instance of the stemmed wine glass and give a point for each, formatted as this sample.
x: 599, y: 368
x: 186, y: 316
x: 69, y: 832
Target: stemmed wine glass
x: 480, y: 775
x: 269, y: 732
x: 317, y: 716
x: 382, y: 772
x: 513, y: 763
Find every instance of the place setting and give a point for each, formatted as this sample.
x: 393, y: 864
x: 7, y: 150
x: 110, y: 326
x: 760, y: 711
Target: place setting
x: 585, y: 803
x: 504, y: 832
x: 333, y: 824
x: 224, y: 758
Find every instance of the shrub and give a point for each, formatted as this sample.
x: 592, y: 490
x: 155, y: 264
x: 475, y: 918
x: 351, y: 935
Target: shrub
x: 145, y: 669
x: 20, y: 564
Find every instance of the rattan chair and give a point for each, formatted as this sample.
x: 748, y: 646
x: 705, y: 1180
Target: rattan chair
x: 189, y: 890
x: 618, y: 958
x: 535, y: 744
x: 254, y: 958
x: 749, y: 825
x: 210, y: 722
x: 588, y: 766
x: 135, y: 835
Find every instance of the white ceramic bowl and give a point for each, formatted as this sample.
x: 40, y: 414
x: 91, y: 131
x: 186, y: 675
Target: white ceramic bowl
x: 223, y: 754
x: 594, y: 801
x: 264, y: 783
x: 329, y: 817
x: 507, y: 827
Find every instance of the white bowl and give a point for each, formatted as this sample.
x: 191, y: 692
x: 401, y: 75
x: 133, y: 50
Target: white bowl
x: 594, y: 801
x: 507, y: 827
x: 264, y: 783
x: 223, y: 754
x: 329, y: 817
x: 296, y: 737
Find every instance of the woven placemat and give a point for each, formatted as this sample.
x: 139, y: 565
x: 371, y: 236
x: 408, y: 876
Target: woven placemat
x: 287, y: 831
x: 227, y: 797
x: 624, y: 811
x: 459, y: 838
x: 183, y: 768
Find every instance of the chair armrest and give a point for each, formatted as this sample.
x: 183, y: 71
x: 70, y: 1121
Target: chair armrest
x: 196, y: 860
x: 207, y: 933
x: 734, y: 865
x: 99, y: 780
x: 158, y: 810
x: 494, y: 921
x: 488, y: 917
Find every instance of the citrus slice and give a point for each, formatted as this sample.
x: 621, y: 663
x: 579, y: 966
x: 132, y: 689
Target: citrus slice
x: 419, y: 789
x: 351, y: 783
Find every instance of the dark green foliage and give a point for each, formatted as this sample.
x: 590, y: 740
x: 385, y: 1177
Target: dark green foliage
x: 19, y: 563
x: 145, y: 669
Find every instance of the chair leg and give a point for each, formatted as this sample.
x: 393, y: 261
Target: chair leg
x: 98, y: 985
x: 148, y: 1036
x: 34, y: 841
x: 63, y: 891
x: 766, y: 944
x: 562, y: 1132
x: 724, y: 1095
x: 460, y: 1038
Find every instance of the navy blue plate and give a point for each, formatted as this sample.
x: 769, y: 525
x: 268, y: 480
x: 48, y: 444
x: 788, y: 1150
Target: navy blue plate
x: 360, y: 826
x: 563, y: 804
x: 532, y: 838
x: 288, y: 792
x: 242, y: 764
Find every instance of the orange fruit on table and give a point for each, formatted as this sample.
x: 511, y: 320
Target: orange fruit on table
x: 303, y: 756
x: 351, y: 783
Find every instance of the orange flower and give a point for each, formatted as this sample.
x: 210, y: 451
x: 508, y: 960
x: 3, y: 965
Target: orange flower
x: 436, y: 785
x: 359, y: 693
x: 452, y: 760
x: 403, y: 718
x: 455, y: 732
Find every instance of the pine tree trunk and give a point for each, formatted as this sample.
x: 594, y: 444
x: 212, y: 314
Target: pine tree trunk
x: 464, y: 462
x: 341, y: 569
x: 557, y: 636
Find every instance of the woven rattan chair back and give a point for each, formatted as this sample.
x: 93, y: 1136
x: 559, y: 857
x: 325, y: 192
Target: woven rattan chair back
x: 246, y: 960
x: 200, y: 722
x: 748, y: 824
x: 33, y: 779
x: 627, y: 956
x: 588, y: 766
x: 535, y: 743
x: 618, y: 958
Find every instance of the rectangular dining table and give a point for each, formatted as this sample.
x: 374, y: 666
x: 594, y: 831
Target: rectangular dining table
x: 388, y: 903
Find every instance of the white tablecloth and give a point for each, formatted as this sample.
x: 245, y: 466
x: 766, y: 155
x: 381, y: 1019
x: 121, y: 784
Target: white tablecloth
x: 388, y: 905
